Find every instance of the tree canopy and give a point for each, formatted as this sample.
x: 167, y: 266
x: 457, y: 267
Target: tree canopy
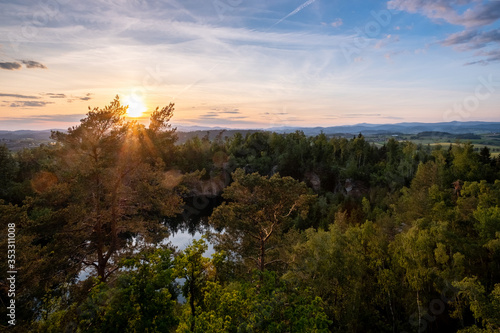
x: 310, y: 233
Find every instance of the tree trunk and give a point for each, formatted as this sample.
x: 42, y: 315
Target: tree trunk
x: 191, y: 302
x: 262, y: 255
x: 419, y: 314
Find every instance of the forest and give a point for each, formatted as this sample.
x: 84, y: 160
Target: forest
x: 311, y: 233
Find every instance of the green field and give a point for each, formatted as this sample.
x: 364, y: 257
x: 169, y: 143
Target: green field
x: 492, y: 141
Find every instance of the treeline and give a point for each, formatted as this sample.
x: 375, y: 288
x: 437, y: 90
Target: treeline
x: 314, y: 234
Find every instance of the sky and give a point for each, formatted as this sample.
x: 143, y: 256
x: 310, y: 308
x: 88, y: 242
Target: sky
x: 250, y: 63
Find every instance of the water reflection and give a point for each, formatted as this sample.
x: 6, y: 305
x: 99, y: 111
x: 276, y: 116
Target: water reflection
x: 192, y: 223
x: 183, y: 236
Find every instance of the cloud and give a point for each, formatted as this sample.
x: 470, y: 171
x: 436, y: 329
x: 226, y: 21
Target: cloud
x: 389, y: 39
x: 16, y: 65
x: 68, y: 118
x: 367, y: 115
x: 491, y: 56
x: 472, y: 39
x: 10, y: 65
x: 221, y: 110
x: 388, y: 56
x: 33, y: 64
x: 480, y: 41
x: 234, y: 118
x: 360, y: 115
x: 275, y: 113
x: 468, y: 13
x: 73, y: 117
x: 208, y: 116
x: 52, y: 95
x: 223, y: 115
x: 298, y: 9
x: 337, y: 23
x: 23, y: 104
x: 472, y: 14
x: 87, y: 97
x: 223, y: 121
x: 19, y: 96
x: 483, y: 14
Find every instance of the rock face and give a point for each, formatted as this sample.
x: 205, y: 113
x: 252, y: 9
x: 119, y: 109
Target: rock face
x: 355, y: 188
x: 313, y: 180
x: 348, y: 185
x: 274, y: 170
x: 457, y: 187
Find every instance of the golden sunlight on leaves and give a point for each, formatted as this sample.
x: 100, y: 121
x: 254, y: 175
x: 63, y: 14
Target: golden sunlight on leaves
x: 42, y: 181
x: 172, y: 178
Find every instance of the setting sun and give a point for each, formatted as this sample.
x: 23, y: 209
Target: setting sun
x: 136, y: 106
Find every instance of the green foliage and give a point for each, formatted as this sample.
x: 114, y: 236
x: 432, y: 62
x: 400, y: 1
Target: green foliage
x: 484, y: 306
x: 257, y: 211
x: 337, y: 265
x: 193, y: 268
x: 397, y: 230
x: 142, y: 299
x: 272, y: 307
x: 488, y: 221
x: 110, y: 182
x: 8, y: 170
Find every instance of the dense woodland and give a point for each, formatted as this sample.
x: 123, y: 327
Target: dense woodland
x: 312, y: 234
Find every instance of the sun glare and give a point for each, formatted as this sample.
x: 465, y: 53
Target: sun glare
x: 136, y: 106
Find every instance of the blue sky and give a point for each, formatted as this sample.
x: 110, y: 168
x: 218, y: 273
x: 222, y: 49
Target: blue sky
x: 251, y: 64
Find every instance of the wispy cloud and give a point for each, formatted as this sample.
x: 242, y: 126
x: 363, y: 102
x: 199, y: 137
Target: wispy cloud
x: 298, y: 9
x: 197, y: 57
x: 472, y: 39
x: 72, y: 117
x: 368, y: 115
x: 225, y: 110
x: 337, y: 23
x: 19, y: 96
x: 231, y: 121
x: 491, y: 56
x: 33, y: 64
x: 24, y: 104
x: 53, y: 95
x: 485, y: 43
x: 389, y: 39
x: 468, y: 13
x: 86, y: 97
x: 475, y: 15
x: 63, y: 118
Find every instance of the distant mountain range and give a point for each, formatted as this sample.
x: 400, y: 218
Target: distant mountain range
x: 455, y: 127
x: 25, y: 134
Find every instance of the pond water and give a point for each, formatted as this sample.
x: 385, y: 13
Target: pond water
x: 183, y: 238
x: 191, y: 224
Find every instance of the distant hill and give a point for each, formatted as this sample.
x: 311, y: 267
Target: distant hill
x: 212, y: 134
x: 455, y: 127
x: 25, y: 134
x: 433, y: 135
x: 16, y: 140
